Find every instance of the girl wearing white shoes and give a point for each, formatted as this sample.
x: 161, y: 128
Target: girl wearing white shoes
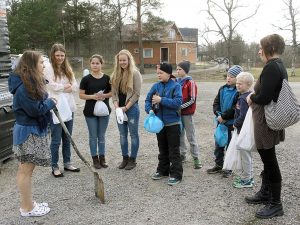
x: 31, y: 107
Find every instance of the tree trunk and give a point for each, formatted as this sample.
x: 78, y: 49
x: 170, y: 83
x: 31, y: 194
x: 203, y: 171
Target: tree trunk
x: 76, y: 29
x: 140, y: 36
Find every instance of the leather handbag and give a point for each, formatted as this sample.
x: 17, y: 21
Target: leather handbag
x: 285, y: 112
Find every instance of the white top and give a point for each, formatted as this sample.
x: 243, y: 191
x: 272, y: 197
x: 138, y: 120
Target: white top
x: 56, y: 87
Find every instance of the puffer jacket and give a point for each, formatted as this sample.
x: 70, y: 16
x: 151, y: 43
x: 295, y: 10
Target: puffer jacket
x: 171, y: 100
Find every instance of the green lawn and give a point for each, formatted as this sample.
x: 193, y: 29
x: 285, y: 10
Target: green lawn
x: 256, y: 72
x: 204, y: 75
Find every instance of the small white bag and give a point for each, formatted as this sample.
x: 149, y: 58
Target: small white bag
x: 63, y: 108
x: 232, y: 159
x: 100, y: 109
x: 119, y: 115
x: 245, y: 141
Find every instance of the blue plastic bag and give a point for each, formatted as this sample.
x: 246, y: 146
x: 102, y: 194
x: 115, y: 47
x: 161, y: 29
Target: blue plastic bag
x: 152, y: 123
x: 221, y: 135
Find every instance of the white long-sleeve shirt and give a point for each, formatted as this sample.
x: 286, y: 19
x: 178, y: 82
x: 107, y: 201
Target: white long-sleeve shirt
x: 56, y: 87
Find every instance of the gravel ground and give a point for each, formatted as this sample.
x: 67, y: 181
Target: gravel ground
x: 133, y: 198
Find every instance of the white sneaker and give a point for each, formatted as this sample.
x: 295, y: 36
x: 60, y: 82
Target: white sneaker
x: 38, y: 210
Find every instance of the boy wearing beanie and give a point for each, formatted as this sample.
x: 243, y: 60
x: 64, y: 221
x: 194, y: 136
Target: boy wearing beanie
x: 165, y: 98
x: 188, y: 107
x: 223, y: 108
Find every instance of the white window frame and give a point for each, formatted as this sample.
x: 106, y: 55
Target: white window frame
x: 172, y: 34
x: 147, y: 49
x: 184, y: 51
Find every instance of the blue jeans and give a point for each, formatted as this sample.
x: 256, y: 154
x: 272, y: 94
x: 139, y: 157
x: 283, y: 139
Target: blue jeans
x: 132, y: 125
x: 58, y: 135
x: 97, y: 126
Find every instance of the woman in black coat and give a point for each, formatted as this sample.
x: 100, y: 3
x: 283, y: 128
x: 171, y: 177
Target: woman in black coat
x: 266, y: 89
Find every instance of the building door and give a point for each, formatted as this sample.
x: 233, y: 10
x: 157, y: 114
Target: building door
x: 164, y: 54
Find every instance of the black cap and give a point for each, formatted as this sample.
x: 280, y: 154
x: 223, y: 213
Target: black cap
x: 166, y: 67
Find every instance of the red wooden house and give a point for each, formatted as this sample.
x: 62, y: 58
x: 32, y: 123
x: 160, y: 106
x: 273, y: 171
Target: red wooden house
x: 168, y: 46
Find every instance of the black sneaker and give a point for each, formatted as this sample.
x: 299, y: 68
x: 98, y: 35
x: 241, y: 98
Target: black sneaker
x: 215, y: 169
x: 226, y: 173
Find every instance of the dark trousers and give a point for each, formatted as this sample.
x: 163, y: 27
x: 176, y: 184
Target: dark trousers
x: 272, y: 173
x: 219, y: 151
x: 169, y: 161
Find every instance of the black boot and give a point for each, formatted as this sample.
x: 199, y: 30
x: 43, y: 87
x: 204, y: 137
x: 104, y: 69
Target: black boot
x: 102, y: 161
x: 131, y: 164
x: 124, y: 162
x: 263, y: 195
x: 96, y: 162
x: 274, y: 208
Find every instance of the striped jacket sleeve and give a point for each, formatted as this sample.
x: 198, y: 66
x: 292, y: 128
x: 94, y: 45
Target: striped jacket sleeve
x: 191, y: 94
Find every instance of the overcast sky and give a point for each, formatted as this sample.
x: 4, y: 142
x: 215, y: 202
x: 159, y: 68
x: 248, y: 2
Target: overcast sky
x: 187, y: 13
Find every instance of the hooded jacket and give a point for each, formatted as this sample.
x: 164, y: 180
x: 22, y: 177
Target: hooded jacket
x: 189, y: 95
x: 224, y: 103
x: 171, y: 100
x: 29, y: 112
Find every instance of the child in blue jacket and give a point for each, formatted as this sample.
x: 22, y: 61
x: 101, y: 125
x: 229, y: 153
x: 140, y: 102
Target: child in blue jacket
x: 223, y: 108
x: 165, y: 98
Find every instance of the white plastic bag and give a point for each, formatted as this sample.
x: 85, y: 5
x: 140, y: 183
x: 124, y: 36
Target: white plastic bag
x: 245, y: 141
x: 100, y: 109
x: 63, y: 108
x: 232, y: 159
x: 119, y: 115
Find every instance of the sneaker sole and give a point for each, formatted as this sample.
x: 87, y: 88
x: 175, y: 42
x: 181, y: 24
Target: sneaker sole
x: 172, y: 184
x: 158, y: 178
x: 214, y: 172
x: 244, y: 186
x: 197, y: 167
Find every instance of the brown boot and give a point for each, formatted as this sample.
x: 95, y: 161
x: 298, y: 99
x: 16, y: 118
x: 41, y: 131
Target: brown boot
x: 124, y: 162
x: 96, y: 162
x: 131, y: 164
x: 102, y: 161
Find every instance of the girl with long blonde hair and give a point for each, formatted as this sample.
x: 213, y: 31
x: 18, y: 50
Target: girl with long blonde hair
x: 126, y: 86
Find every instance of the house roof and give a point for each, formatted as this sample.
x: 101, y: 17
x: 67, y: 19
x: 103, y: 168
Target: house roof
x: 189, y: 34
x: 129, y: 33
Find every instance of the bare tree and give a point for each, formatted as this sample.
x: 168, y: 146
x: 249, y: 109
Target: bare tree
x: 293, y: 24
x: 143, y: 8
x: 121, y: 8
x: 140, y: 35
x: 217, y: 11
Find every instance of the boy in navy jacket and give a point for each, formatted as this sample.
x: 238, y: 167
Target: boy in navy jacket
x: 223, y: 108
x: 165, y: 98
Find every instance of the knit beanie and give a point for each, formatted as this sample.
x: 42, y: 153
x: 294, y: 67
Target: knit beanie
x: 166, y: 67
x: 235, y: 70
x: 185, y: 65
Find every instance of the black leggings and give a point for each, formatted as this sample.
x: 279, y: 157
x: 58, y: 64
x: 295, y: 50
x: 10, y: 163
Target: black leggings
x: 271, y: 167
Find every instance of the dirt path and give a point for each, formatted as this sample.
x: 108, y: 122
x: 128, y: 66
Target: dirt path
x: 133, y: 198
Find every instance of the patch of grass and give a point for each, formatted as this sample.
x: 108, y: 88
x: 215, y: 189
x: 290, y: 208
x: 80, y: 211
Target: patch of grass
x: 256, y: 72
x: 204, y: 75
